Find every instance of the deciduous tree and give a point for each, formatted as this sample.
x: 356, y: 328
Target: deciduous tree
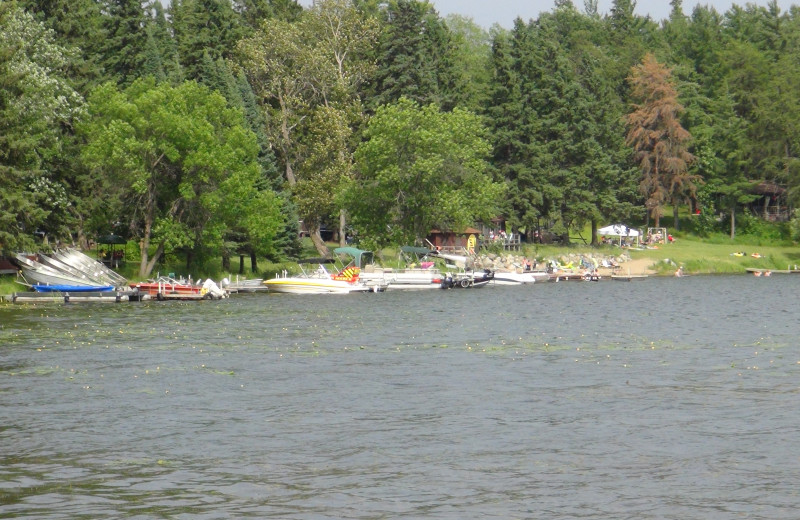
x: 308, y: 73
x: 420, y: 169
x: 187, y: 163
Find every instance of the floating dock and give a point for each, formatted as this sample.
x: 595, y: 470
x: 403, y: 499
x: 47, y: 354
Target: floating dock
x: 101, y: 297
x: 66, y: 297
x: 772, y: 271
x: 628, y: 277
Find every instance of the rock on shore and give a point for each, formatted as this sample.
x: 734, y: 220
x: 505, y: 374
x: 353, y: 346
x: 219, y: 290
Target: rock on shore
x: 511, y: 262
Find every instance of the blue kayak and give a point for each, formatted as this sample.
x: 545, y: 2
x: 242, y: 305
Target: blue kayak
x: 73, y: 288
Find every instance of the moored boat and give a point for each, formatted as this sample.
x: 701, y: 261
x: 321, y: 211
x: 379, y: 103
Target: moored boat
x: 167, y: 288
x: 423, y: 276
x: 513, y: 278
x: 67, y: 268
x: 467, y: 280
x: 36, y: 273
x: 166, y: 285
x: 72, y: 288
x: 87, y: 264
x: 318, y: 280
x: 628, y: 277
x: 249, y: 285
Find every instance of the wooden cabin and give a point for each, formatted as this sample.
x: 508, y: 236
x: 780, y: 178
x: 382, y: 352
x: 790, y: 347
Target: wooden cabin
x: 459, y: 242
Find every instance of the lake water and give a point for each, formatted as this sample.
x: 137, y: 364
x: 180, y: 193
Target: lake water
x: 658, y: 399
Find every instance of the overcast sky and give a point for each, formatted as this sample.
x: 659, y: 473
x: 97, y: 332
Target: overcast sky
x: 488, y: 12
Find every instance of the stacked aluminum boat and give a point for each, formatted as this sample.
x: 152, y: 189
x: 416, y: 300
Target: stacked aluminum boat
x: 67, y: 270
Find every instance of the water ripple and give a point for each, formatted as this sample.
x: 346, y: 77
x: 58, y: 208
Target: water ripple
x: 655, y: 400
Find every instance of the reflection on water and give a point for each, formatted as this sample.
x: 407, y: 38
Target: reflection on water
x: 656, y: 399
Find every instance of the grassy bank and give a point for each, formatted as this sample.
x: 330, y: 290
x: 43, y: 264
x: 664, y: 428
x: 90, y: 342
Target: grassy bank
x: 713, y: 255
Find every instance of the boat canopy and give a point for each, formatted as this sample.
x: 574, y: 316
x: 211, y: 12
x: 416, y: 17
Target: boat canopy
x: 360, y: 256
x: 320, y: 260
x: 111, y: 239
x: 415, y: 250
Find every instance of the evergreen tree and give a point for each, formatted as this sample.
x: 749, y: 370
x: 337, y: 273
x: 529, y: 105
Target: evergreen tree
x: 203, y: 27
x: 37, y: 107
x: 253, y: 12
x: 77, y: 24
x: 124, y: 48
x: 153, y: 65
x: 473, y: 51
x: 657, y: 137
x: 160, y: 30
x: 513, y: 122
x: 416, y: 57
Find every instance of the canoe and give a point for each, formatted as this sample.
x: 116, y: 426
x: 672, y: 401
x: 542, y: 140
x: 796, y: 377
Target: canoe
x: 43, y: 288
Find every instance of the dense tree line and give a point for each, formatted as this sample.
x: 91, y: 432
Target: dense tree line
x: 213, y: 127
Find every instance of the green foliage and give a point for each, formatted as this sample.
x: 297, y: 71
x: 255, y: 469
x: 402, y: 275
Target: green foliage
x: 416, y: 57
x: 204, y: 28
x: 77, y: 25
x: 794, y: 226
x: 37, y: 105
x: 420, y: 169
x: 187, y: 159
x: 124, y: 48
x: 748, y: 224
x: 556, y: 119
x: 473, y: 52
x: 551, y: 91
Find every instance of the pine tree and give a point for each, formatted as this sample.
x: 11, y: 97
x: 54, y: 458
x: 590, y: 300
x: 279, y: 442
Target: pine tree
x: 657, y: 137
x: 203, y: 27
x: 160, y: 31
x: 513, y: 121
x: 77, y: 24
x: 416, y: 57
x: 124, y: 50
x: 38, y: 108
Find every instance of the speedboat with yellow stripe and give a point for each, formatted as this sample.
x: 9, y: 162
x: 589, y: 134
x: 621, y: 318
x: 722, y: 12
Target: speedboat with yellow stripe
x: 316, y: 278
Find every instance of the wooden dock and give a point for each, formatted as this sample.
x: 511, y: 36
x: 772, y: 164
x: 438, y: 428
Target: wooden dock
x: 66, y: 297
x: 628, y: 277
x: 163, y: 296
x: 573, y: 276
x: 772, y: 271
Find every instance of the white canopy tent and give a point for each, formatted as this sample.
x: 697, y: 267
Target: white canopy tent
x: 621, y: 231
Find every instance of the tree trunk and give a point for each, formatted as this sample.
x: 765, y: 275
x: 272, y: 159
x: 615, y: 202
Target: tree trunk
x: 253, y: 262
x: 287, y: 139
x: 144, y: 244
x: 342, y: 230
x: 152, y: 263
x: 733, y: 222
x: 594, y: 232
x: 316, y: 239
x: 226, y: 262
x: 676, y: 221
